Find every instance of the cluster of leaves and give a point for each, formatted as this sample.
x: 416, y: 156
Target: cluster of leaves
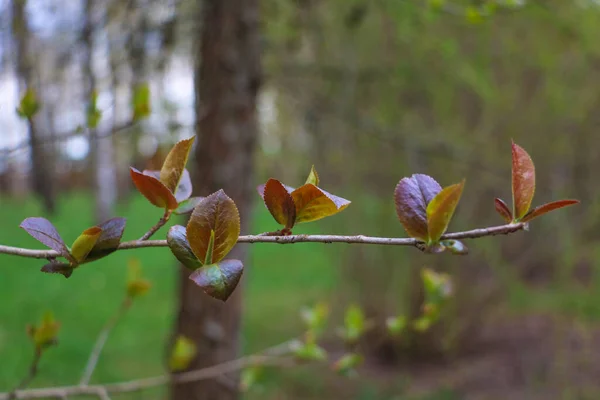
x: 290, y: 206
x: 93, y: 243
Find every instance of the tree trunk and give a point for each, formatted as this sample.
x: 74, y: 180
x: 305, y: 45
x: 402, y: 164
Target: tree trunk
x: 226, y: 84
x: 41, y: 172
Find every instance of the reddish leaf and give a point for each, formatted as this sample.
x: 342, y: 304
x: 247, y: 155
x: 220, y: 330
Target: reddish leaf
x: 412, y: 195
x: 84, y: 244
x: 219, y: 214
x: 546, y: 208
x: 280, y: 203
x: 174, y: 165
x: 503, y: 210
x: 187, y: 205
x: 43, y: 230
x: 313, y: 203
x: 441, y: 209
x: 110, y: 238
x: 153, y: 190
x: 261, y: 189
x: 523, y: 181
x: 219, y: 280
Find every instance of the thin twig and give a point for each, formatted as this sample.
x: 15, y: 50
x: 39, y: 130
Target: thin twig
x: 161, y: 222
x: 101, y: 341
x: 33, y: 369
x: 356, y: 239
x: 272, y: 356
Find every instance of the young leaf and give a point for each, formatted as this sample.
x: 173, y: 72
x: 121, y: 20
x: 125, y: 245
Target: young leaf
x: 438, y: 286
x: 219, y: 280
x: 153, y: 190
x: 441, y: 209
x: 261, y: 189
x: 412, y: 195
x: 43, y: 230
x: 218, y: 213
x: 84, y: 244
x: 188, y: 205
x: 93, y: 113
x: 184, y: 189
x: 355, y: 324
x: 56, y: 267
x: 110, y: 238
x: 546, y: 208
x: 136, y: 284
x: 523, y: 181
x: 172, y: 168
x: 396, y: 325
x: 29, y: 104
x: 347, y: 364
x: 250, y: 377
x: 309, y: 351
x: 313, y: 177
x: 315, y: 317
x: 46, y: 333
x: 280, y: 204
x: 503, y: 210
x: 178, y: 243
x: 313, y: 203
x: 182, y: 354
x: 141, y: 101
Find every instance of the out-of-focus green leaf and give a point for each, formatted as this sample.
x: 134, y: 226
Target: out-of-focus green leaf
x: 396, y: 325
x: 354, y: 323
x: 309, y: 351
x: 140, y: 101
x: 219, y: 280
x: 45, y: 334
x: 346, y: 365
x: 136, y: 284
x: 29, y: 104
x: 183, y: 354
x: 250, y: 377
x: 316, y: 317
x: 93, y: 113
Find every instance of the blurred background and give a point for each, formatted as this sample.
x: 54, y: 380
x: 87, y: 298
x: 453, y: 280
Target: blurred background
x: 369, y: 91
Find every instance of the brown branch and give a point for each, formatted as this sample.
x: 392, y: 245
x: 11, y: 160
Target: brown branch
x: 33, y: 370
x: 271, y: 356
x: 161, y: 222
x: 101, y: 341
x: 355, y: 239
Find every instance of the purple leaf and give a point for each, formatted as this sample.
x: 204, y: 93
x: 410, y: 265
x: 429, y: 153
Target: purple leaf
x: 43, y: 230
x: 219, y: 280
x: 412, y: 195
x: 58, y: 268
x: 110, y: 238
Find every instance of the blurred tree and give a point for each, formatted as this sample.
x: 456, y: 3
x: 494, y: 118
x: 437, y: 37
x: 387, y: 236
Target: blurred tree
x: 226, y: 84
x: 41, y: 170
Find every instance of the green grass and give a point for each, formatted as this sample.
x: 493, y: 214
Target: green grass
x: 279, y: 281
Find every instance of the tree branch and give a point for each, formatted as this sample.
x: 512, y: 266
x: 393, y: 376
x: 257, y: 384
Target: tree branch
x: 271, y: 356
x: 33, y: 369
x: 355, y: 239
x: 101, y: 341
x: 161, y: 222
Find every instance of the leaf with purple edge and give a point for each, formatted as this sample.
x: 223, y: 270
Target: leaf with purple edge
x: 219, y: 280
x: 503, y: 210
x: 153, y: 190
x: 43, y: 230
x: 546, y: 208
x: 411, y: 196
x: 110, y: 238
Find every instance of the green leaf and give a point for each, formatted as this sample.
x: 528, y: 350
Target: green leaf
x: 309, y: 351
x: 45, y: 334
x: 441, y: 209
x: 473, y: 15
x: 178, y: 243
x: 315, y: 317
x: 422, y: 324
x: 136, y: 284
x: 438, y: 286
x: 396, y: 325
x: 546, y: 208
x: 93, y: 113
x: 250, y: 376
x: 313, y: 203
x: 174, y: 165
x: 29, y: 104
x: 355, y: 323
x: 188, y: 205
x: 313, y: 177
x: 84, y: 244
x: 218, y: 213
x: 523, y: 181
x: 280, y: 203
x: 141, y: 101
x: 411, y: 196
x: 183, y: 354
x: 219, y: 280
x: 347, y: 364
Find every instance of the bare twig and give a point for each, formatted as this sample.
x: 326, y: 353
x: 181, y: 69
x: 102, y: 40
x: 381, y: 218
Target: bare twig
x: 356, y: 239
x: 33, y: 369
x: 101, y: 341
x: 161, y: 222
x: 272, y: 356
